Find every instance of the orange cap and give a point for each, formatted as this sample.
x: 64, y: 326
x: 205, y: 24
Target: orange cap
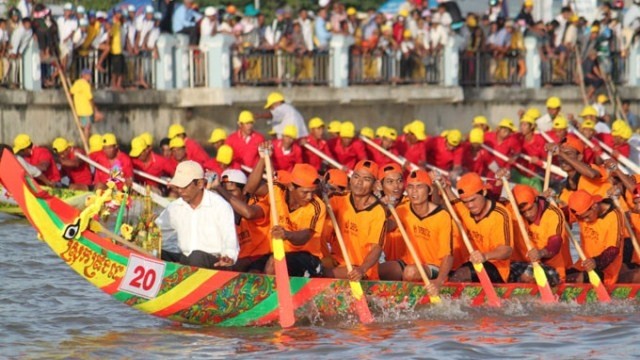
x: 367, y: 165
x: 389, y: 169
x: 419, y: 177
x: 469, y: 185
x: 581, y: 201
x: 337, y: 177
x: 574, y: 143
x: 525, y: 196
x: 283, y: 177
x: 304, y: 175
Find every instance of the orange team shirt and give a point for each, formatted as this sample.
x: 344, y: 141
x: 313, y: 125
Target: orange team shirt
x: 285, y: 160
x: 43, y: 155
x: 360, y: 230
x: 431, y: 236
x: 549, y: 223
x: 254, y: 235
x: 310, y: 216
x: 394, y: 247
x: 489, y: 232
x: 311, y: 158
x: 594, y: 187
x: 605, y: 232
x: 635, y: 223
x: 245, y: 149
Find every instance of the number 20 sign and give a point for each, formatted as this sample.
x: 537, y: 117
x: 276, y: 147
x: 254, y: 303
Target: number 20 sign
x: 143, y: 277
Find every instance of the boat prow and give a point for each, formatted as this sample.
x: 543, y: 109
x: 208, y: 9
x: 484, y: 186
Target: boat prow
x: 224, y: 298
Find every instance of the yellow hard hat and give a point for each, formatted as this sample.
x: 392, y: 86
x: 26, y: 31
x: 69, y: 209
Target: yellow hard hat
x: 176, y: 143
x: 315, y: 123
x: 602, y: 98
x: 588, y: 124
x: 367, y: 132
x: 225, y: 154
x: 21, y: 142
x: 444, y: 133
x: 389, y: 133
x: 574, y: 18
x: 621, y: 129
x: 404, y: 13
x: 274, y: 97
x: 138, y: 145
x: 526, y: 118
x: 454, y: 137
x: 472, y: 21
x: 476, y: 136
x: 507, y: 123
x: 417, y: 128
x: 618, y: 124
x: 347, y: 129
x: 351, y: 11
x: 290, y: 131
x: 95, y: 143
x: 380, y: 130
x: 533, y: 112
x: 245, y: 117
x: 405, y: 129
x: 588, y: 111
x: 217, y: 135
x: 334, y: 126
x: 175, y: 130
x: 407, y: 33
x: 148, y: 138
x: 528, y: 3
x: 560, y: 123
x: 480, y: 120
x: 60, y: 144
x: 554, y: 102
x: 109, y: 139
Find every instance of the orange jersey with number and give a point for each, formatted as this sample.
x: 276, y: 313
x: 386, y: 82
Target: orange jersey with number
x: 254, y: 235
x: 605, y: 232
x: 361, y: 230
x: 431, y: 235
x: 394, y: 247
x: 486, y: 234
x: 311, y: 216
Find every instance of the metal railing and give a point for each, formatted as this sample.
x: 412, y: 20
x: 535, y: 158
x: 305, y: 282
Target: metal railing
x: 555, y: 72
x: 198, y: 65
x: 140, y: 70
x: 379, y: 67
x: 268, y: 68
x: 11, y: 73
x: 485, y: 69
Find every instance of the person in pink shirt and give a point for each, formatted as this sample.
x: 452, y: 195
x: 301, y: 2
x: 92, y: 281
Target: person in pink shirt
x: 245, y: 141
x: 118, y: 163
x: 37, y: 156
x: 195, y: 151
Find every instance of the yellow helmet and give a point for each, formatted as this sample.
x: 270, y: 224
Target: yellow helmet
x: 176, y: 143
x: 245, y: 117
x: 389, y: 133
x: 95, y: 143
x: 554, y: 102
x: 347, y: 129
x: 454, y: 137
x: 367, y: 132
x: 60, y: 145
x: 480, y: 120
x: 274, y: 97
x: 560, y: 123
x: 217, y: 135
x: 315, y: 123
x: 476, y: 136
x: 508, y: 123
x: 588, y: 111
x: 148, y: 138
x: 175, y: 130
x: 138, y: 145
x: 109, y: 139
x: 290, y: 131
x: 225, y: 154
x: 417, y: 128
x: 334, y: 126
x: 533, y: 112
x: 21, y: 142
x: 588, y: 124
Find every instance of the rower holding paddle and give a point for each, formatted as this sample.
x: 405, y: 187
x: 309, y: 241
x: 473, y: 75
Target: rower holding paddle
x: 394, y: 248
x: 489, y: 227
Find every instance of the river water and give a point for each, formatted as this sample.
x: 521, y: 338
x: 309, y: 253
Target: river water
x: 47, y: 311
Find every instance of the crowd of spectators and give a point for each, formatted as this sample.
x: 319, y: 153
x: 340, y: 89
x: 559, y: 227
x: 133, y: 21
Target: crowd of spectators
x: 413, y: 39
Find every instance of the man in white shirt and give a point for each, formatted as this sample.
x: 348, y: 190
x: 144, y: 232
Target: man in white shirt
x: 208, y: 25
x: 203, y: 221
x: 67, y: 25
x: 283, y: 114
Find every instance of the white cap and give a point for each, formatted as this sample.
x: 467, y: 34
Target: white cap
x: 186, y: 172
x: 83, y: 22
x: 210, y: 11
x: 323, y: 3
x: 131, y: 8
x: 157, y: 15
x: 435, y: 18
x: 234, y: 175
x: 81, y: 9
x: 148, y: 9
x: 101, y: 15
x: 68, y: 6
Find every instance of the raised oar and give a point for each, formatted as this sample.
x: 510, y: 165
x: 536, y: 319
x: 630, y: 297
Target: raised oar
x: 539, y: 275
x: 504, y: 157
x: 65, y: 86
x: 554, y: 168
x: 136, y: 187
x: 586, y: 141
x: 283, y: 287
x: 362, y: 308
x: 490, y: 291
x: 627, y: 223
x: 327, y: 158
x: 148, y: 176
x: 413, y: 252
x: 621, y: 158
x: 249, y: 170
x: 594, y: 279
x: 547, y: 171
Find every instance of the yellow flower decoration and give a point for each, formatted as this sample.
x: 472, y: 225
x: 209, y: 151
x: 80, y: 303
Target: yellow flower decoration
x: 126, y: 231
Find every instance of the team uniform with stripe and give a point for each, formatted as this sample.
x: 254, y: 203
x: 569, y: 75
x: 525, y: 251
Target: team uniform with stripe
x: 431, y: 236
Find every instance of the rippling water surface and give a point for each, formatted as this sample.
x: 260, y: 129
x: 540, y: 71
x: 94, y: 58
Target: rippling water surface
x: 48, y: 311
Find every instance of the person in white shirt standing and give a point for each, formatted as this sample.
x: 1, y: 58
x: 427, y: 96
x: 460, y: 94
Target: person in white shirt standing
x: 208, y: 25
x: 203, y: 221
x: 283, y: 114
x: 67, y: 25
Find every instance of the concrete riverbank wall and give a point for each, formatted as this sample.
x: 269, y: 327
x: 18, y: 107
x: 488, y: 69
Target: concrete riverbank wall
x: 45, y: 114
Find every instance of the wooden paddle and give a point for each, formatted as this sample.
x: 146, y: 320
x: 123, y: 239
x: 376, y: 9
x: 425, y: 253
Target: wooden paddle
x: 547, y: 171
x: 119, y: 239
x: 327, y: 158
x: 283, y: 287
x: 554, y: 168
x: 151, y: 177
x: 362, y: 308
x: 65, y: 86
x: 490, y: 291
x: 627, y: 223
x: 540, y: 276
x: 504, y: 157
x: 412, y: 250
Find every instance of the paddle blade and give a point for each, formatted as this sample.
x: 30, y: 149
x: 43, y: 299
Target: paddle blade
x: 546, y: 294
x: 362, y: 308
x: 490, y: 291
x: 598, y: 286
x: 435, y: 299
x: 283, y: 288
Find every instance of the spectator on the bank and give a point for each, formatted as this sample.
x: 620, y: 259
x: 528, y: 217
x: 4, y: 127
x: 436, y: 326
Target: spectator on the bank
x: 306, y: 26
x: 184, y: 19
x: 26, y: 8
x: 129, y: 30
x: 323, y: 35
x: 275, y: 31
x: 80, y: 34
x: 438, y: 34
x: 593, y: 78
x: 20, y: 38
x: 526, y: 14
x: 399, y: 26
x: 632, y: 118
x: 67, y: 25
x: 352, y: 22
x: 116, y: 56
x: 81, y: 13
x: 4, y: 44
x: 208, y: 25
x: 338, y: 15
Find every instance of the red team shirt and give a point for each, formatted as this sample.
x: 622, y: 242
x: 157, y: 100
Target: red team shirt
x: 245, y: 149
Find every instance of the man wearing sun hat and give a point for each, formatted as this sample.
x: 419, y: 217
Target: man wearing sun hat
x: 283, y: 114
x: 77, y: 171
x: 245, y: 140
x: 349, y: 149
x: 489, y: 226
x: 202, y: 220
x: 37, y: 156
x: 145, y: 159
x: 118, y: 163
x: 602, y: 234
x: 361, y: 217
x: 315, y: 139
x: 545, y: 224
